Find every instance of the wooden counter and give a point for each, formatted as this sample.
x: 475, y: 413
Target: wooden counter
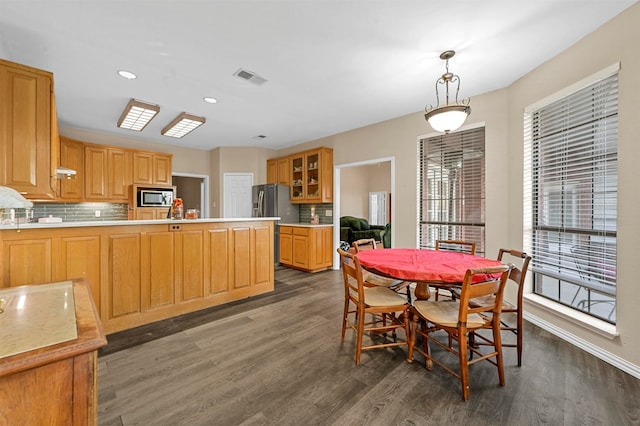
x: 51, y: 378
x: 144, y: 271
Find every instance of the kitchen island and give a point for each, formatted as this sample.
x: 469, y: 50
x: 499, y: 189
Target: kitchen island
x: 141, y: 271
x: 50, y: 336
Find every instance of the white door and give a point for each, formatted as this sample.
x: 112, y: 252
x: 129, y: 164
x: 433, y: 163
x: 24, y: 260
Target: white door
x: 237, y: 194
x: 378, y: 208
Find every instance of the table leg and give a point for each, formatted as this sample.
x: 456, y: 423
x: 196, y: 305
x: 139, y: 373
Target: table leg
x: 422, y: 291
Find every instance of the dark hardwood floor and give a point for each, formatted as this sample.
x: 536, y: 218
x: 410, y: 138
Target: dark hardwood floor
x: 277, y: 359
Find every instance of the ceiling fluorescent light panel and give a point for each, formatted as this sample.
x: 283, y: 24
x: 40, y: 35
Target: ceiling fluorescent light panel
x: 137, y: 115
x: 182, y: 125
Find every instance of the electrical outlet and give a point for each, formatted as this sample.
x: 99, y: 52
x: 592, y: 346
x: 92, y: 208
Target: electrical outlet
x: 328, y: 212
x: 97, y: 213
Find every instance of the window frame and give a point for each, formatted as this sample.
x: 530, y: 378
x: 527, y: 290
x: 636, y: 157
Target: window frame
x: 470, y: 207
x: 605, y: 255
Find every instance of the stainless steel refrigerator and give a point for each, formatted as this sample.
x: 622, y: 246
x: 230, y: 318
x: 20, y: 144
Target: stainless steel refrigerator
x: 273, y: 200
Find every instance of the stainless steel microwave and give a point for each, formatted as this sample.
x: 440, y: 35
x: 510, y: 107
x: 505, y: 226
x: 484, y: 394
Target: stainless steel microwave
x: 155, y: 197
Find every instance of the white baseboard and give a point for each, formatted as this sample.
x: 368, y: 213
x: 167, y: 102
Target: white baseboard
x: 596, y: 351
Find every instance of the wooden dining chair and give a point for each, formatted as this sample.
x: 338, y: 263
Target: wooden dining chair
x: 516, y: 277
x: 456, y: 245
x: 458, y: 319
x: 466, y: 247
x: 371, y: 279
x: 389, y: 310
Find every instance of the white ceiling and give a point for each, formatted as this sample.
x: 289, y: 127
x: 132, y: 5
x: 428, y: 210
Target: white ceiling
x: 331, y: 65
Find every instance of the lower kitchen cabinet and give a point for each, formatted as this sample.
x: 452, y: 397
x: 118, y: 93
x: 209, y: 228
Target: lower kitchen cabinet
x: 308, y: 248
x: 147, y: 272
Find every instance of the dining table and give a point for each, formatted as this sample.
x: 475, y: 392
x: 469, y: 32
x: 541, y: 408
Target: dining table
x: 437, y: 268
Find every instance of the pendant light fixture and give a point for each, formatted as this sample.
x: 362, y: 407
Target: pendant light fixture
x: 448, y: 117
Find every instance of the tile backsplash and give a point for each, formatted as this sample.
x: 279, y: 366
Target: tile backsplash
x: 321, y: 211
x: 78, y: 212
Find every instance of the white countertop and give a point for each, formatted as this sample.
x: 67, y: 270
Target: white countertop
x: 306, y: 225
x: 130, y: 222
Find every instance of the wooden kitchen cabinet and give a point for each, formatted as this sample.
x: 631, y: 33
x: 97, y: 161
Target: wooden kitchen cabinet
x: 279, y: 171
x: 312, y: 176
x: 146, y: 272
x: 119, y: 174
x: 151, y: 213
x: 308, y: 248
x: 26, y: 130
x: 286, y: 245
x: 108, y: 173
x: 96, y: 165
x: 272, y: 171
x: 297, y: 178
x: 72, y: 157
x: 284, y: 171
x: 151, y: 168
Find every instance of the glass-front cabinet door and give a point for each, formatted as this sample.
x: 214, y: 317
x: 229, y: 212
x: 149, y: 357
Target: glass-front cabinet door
x: 297, y: 178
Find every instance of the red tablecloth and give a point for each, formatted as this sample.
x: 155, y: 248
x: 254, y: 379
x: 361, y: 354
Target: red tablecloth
x: 427, y: 266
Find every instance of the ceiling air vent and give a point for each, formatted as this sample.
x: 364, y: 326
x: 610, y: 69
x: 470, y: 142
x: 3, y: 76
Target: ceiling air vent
x: 250, y: 76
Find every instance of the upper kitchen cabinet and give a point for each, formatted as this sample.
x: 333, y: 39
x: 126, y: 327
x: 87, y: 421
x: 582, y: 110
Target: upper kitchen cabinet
x: 151, y: 168
x: 26, y: 130
x: 279, y: 171
x: 72, y: 157
x: 284, y: 171
x: 312, y: 176
x: 272, y: 171
x: 107, y: 173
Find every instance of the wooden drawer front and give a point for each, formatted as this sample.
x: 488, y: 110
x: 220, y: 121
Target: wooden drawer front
x: 286, y: 230
x: 301, y: 231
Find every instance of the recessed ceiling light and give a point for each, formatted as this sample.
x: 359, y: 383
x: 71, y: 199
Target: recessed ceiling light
x: 210, y: 100
x: 127, y: 74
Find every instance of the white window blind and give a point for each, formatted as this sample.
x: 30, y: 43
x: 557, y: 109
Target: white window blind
x: 573, y: 169
x: 451, y: 186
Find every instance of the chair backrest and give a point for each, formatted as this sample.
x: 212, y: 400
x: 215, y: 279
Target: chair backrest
x: 517, y: 273
x: 456, y: 245
x: 352, y: 275
x: 481, y: 282
x: 364, y: 244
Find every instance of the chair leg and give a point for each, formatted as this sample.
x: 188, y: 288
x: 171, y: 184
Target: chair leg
x: 345, y: 317
x: 412, y: 339
x: 407, y: 330
x: 464, y: 362
x: 497, y: 342
x: 428, y: 363
x: 360, y: 333
x: 519, y: 338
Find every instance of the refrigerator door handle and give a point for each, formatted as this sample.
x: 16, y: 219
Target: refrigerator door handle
x: 261, y: 204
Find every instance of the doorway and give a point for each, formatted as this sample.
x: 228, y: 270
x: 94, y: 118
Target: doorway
x: 194, y: 191
x: 339, y: 188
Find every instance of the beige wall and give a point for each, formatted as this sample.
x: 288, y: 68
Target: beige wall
x: 235, y: 160
x: 356, y: 183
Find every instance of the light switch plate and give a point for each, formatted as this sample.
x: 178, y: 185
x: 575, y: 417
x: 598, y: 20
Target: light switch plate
x: 328, y: 212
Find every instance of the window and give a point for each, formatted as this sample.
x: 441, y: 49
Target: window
x: 571, y: 152
x: 451, y: 188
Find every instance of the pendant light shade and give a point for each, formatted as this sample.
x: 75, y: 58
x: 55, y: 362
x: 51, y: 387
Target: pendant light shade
x: 448, y: 117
